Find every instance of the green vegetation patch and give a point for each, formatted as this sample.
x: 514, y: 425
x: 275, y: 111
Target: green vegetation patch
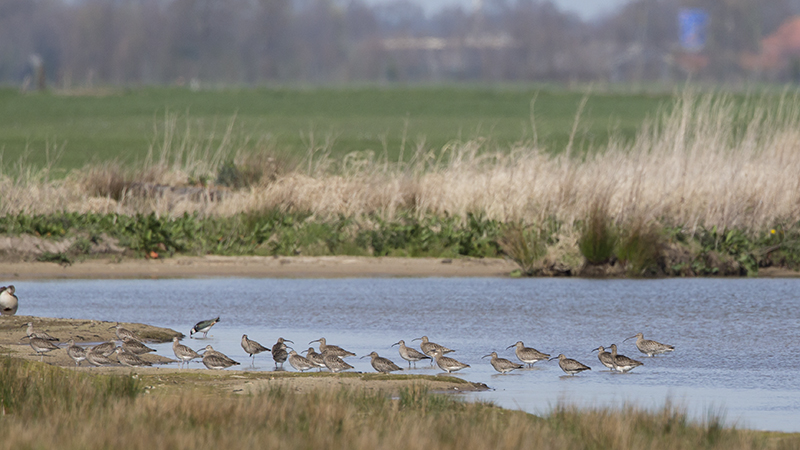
x: 638, y: 250
x: 386, y: 121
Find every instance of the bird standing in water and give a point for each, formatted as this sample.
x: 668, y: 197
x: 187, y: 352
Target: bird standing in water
x: 202, y: 327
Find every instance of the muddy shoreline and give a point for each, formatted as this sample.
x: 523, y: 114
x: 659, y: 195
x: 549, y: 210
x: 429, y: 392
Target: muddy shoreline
x: 165, y: 373
x: 277, y: 267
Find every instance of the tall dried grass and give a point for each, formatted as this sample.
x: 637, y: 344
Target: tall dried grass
x: 709, y: 160
x: 45, y: 415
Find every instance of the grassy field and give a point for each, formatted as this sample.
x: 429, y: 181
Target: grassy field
x: 50, y: 407
x: 706, y: 186
x: 106, y: 124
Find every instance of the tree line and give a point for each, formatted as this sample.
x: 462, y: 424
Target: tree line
x: 144, y: 42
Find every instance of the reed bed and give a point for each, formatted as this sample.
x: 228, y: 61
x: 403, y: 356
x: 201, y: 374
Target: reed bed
x: 280, y: 418
x: 707, y: 161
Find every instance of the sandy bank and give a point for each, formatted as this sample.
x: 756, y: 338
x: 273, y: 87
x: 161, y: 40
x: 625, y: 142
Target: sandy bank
x: 258, y: 266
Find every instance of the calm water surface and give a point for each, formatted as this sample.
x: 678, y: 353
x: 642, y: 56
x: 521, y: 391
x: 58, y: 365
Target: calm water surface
x: 735, y: 339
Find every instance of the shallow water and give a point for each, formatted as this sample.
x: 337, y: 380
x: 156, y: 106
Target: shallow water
x: 735, y: 339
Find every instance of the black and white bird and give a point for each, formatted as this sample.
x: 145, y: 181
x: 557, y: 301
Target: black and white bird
x: 202, y: 327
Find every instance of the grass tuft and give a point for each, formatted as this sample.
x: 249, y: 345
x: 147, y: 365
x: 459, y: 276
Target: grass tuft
x: 640, y: 249
x: 525, y: 245
x: 598, y: 238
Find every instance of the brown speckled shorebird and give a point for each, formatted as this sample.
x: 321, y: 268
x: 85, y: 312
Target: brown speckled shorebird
x: 216, y: 361
x: 528, y: 355
x: 105, y: 349
x: 382, y: 365
x: 279, y: 353
x: 252, y: 347
x: 570, y: 366
x: 8, y: 301
x: 77, y: 354
x: 604, y: 357
x: 124, y: 333
x: 135, y: 347
x: 41, y: 346
x: 38, y: 334
x: 315, y: 358
x: 649, y: 347
x: 445, y: 363
x: 410, y: 354
x: 97, y: 358
x: 503, y: 365
x: 299, y: 362
x: 208, y: 350
x: 334, y: 363
x: 325, y: 348
x: 428, y: 347
x: 129, y: 359
x: 182, y: 352
x: 621, y: 362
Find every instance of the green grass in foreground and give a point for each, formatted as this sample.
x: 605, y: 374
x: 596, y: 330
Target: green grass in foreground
x: 48, y: 407
x: 123, y: 123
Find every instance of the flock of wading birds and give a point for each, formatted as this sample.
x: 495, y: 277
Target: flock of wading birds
x: 329, y: 356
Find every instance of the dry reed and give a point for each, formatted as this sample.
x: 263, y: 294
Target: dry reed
x: 706, y: 161
x: 45, y: 415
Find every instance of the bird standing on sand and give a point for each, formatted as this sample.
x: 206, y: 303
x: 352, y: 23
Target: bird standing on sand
x: 38, y: 334
x: 77, y: 354
x: 96, y: 356
x: 105, y: 349
x: 316, y: 358
x: 182, y: 352
x: 202, y: 327
x: 8, y: 301
x: 124, y: 333
x: 129, y: 359
x: 334, y: 363
x: 41, y: 346
x: 210, y: 351
x: 252, y: 347
x: 382, y: 365
x: 135, y: 347
x: 217, y: 361
x: 299, y: 362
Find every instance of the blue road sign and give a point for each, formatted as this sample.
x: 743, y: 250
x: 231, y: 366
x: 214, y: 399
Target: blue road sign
x: 692, y: 24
